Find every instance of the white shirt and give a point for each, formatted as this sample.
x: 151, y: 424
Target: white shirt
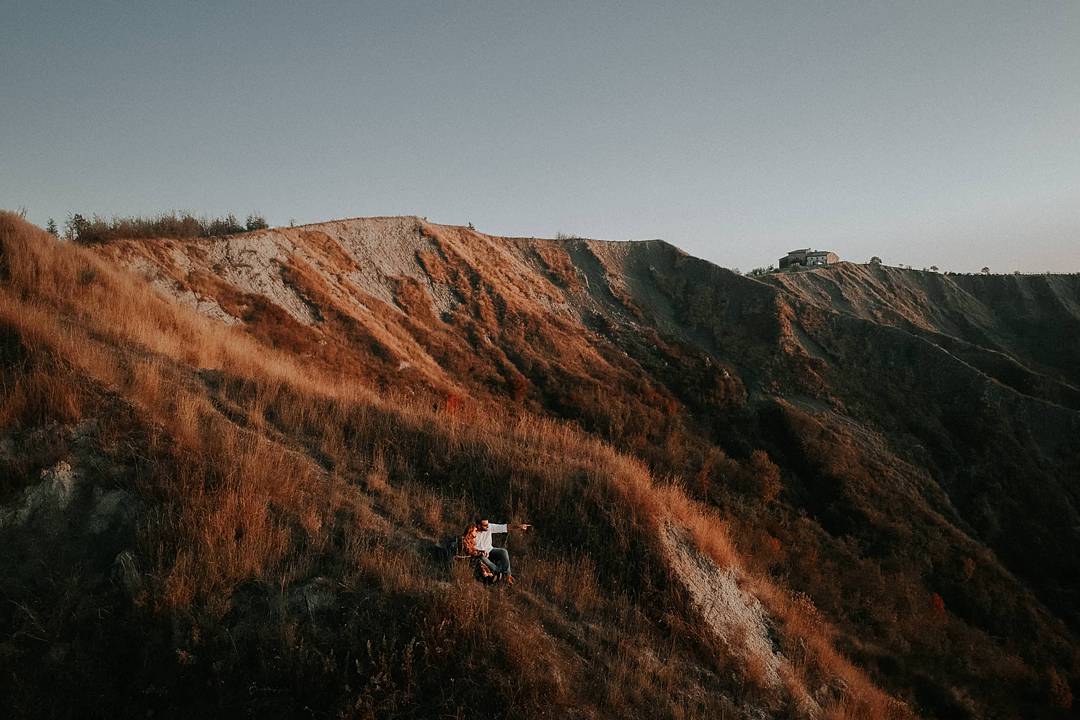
x: 483, y: 537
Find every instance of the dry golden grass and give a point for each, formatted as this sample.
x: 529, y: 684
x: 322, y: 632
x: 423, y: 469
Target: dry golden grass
x: 264, y: 471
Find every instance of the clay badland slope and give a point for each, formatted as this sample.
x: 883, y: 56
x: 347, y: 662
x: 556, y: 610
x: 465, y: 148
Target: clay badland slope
x: 1024, y: 330
x: 631, y: 338
x: 892, y: 455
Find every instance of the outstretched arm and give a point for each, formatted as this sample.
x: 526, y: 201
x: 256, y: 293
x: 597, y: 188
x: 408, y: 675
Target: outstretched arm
x: 505, y: 528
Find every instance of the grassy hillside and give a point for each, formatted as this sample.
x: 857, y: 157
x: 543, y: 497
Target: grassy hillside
x: 224, y: 460
x: 197, y: 522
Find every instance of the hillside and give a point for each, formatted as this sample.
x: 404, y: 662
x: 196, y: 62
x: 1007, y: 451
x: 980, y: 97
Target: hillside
x: 849, y: 492
x: 1023, y: 330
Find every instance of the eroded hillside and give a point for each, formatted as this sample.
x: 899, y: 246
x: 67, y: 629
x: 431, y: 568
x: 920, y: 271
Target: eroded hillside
x: 1023, y: 330
x: 846, y: 493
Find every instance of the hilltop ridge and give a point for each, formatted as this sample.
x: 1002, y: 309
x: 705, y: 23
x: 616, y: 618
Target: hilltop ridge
x: 1021, y: 316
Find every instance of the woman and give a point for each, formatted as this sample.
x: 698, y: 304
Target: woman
x: 476, y: 542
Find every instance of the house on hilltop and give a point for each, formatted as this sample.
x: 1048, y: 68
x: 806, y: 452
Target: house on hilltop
x: 808, y: 258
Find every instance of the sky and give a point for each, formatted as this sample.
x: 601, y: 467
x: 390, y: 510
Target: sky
x: 936, y: 133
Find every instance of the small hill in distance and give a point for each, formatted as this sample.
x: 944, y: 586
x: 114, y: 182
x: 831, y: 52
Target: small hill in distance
x: 848, y: 492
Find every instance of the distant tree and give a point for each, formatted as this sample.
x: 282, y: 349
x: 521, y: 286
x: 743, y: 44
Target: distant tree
x: 985, y: 270
x: 292, y: 222
x: 255, y: 222
x: 227, y: 225
x: 760, y: 271
x: 50, y: 227
x: 875, y: 260
x: 75, y: 226
x: 231, y: 224
x: 933, y: 268
x: 471, y: 226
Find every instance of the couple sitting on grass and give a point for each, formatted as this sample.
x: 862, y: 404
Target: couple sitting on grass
x: 494, y: 562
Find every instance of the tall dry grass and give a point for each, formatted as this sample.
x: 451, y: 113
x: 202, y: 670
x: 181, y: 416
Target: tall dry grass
x: 264, y: 477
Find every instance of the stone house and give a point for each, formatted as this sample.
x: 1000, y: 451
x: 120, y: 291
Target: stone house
x: 809, y: 258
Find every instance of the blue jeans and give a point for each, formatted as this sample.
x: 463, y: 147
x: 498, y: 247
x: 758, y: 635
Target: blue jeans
x: 497, y: 561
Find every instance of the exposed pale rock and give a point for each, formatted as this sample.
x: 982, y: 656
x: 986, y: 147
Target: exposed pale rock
x: 734, y: 616
x: 50, y: 496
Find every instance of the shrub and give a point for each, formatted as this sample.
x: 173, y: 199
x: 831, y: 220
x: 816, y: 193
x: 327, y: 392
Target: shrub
x: 165, y: 225
x: 227, y: 225
x: 1058, y: 689
x: 762, y: 476
x: 255, y: 222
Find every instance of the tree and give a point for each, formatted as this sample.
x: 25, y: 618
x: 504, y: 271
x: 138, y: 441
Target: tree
x: 933, y: 268
x: 985, y: 270
x: 75, y: 226
x: 255, y: 222
x: 875, y: 260
x: 227, y: 225
x: 760, y: 271
x: 50, y: 228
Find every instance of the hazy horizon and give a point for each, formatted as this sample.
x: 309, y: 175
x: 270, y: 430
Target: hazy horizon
x: 926, y: 135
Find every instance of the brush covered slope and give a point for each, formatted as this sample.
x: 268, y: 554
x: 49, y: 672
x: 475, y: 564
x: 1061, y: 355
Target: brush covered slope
x: 843, y: 493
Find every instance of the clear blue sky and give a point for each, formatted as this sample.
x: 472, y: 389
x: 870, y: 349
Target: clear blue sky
x: 940, y: 133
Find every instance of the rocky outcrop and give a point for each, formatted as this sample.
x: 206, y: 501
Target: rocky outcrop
x: 735, y: 617
x: 45, y: 502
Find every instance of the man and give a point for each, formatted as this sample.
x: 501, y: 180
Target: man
x: 476, y: 542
